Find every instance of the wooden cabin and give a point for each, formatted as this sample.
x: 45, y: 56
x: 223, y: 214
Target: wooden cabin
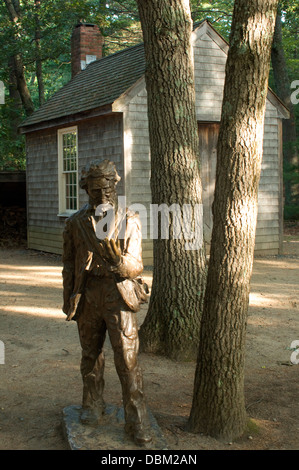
x: 102, y: 113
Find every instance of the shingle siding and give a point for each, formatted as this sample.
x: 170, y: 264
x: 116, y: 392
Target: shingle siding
x: 137, y: 158
x: 97, y: 139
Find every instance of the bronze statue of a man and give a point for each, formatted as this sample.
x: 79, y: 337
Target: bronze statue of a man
x: 101, y: 293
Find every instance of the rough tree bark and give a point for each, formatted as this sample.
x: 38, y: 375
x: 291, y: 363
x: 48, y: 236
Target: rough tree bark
x: 218, y: 407
x: 171, y: 326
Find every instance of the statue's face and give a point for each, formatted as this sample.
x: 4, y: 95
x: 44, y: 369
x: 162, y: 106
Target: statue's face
x: 101, y: 191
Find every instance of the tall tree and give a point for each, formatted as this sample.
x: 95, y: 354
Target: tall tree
x: 13, y: 8
x: 218, y: 407
x: 171, y: 326
x: 39, y: 69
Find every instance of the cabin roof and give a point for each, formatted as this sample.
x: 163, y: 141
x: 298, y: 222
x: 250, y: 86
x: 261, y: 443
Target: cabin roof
x: 100, y: 84
x: 104, y: 81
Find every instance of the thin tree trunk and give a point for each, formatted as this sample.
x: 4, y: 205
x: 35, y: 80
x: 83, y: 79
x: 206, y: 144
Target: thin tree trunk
x: 39, y: 69
x: 22, y: 85
x: 283, y: 87
x: 13, y: 10
x: 14, y: 95
x: 171, y: 326
x: 218, y: 407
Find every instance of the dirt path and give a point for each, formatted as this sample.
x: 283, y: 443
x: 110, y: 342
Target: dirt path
x: 41, y: 372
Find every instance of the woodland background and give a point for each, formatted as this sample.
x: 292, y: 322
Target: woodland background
x: 35, y: 50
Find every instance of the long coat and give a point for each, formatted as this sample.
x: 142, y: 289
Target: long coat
x: 80, y: 256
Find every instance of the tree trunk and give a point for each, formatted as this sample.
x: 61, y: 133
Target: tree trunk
x: 22, y: 85
x: 14, y: 13
x: 171, y: 326
x: 283, y: 88
x: 218, y: 407
x: 15, y: 117
x: 38, y: 67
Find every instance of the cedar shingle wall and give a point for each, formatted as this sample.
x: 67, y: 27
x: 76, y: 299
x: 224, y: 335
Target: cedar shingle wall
x: 42, y: 178
x: 137, y: 159
x: 268, y: 223
x: 98, y: 138
x: 209, y: 67
x: 209, y: 63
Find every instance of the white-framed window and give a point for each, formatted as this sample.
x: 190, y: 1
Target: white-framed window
x: 68, y: 170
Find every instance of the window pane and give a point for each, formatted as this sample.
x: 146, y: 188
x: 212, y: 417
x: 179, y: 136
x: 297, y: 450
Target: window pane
x: 71, y: 191
x: 69, y: 152
x: 70, y: 169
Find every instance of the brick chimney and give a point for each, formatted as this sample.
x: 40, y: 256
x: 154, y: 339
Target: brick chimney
x: 87, y: 43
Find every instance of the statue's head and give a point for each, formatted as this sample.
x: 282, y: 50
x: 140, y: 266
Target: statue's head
x: 99, y: 179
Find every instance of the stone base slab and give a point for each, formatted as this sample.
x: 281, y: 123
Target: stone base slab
x: 109, y: 434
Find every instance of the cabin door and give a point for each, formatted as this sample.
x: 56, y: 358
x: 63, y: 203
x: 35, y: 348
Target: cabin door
x: 208, y: 137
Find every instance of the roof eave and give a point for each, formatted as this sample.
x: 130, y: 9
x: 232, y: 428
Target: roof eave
x: 67, y: 120
x: 122, y: 101
x: 284, y: 112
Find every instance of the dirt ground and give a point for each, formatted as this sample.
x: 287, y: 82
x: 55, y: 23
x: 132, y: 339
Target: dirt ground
x: 40, y: 375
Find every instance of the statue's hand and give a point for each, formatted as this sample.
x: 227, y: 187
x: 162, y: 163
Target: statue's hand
x: 111, y: 251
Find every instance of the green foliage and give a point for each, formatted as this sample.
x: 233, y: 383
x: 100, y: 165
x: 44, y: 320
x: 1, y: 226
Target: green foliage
x: 291, y: 175
x: 55, y: 21
x: 123, y: 27
x: 291, y: 212
x: 290, y: 30
x: 12, y: 151
x: 219, y: 13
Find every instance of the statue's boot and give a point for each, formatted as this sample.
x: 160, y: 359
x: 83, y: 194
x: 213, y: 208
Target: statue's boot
x: 139, y: 433
x: 136, y: 415
x: 93, y: 405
